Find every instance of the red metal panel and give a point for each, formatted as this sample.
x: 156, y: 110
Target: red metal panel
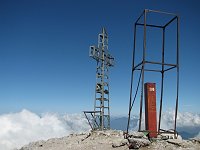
x: 150, y: 109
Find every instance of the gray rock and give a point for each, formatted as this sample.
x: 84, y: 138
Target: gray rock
x: 111, y: 140
x: 119, y: 143
x: 135, y: 134
x: 195, y: 140
x: 175, y: 141
x: 33, y: 144
x: 138, y: 142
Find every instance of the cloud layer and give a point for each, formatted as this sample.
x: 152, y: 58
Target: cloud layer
x: 18, y: 129
x: 188, y: 124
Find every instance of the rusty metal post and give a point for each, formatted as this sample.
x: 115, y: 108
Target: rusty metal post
x: 150, y: 109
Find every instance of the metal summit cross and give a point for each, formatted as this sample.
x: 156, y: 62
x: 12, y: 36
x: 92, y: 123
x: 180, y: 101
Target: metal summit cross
x: 101, y: 114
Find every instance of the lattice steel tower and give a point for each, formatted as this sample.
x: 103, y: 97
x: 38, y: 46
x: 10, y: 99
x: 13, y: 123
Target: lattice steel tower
x: 101, y: 113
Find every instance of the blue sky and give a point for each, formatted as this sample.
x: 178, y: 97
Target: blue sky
x: 44, y: 62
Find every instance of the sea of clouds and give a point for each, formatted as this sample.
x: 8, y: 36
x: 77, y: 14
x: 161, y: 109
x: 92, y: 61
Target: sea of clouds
x: 18, y: 129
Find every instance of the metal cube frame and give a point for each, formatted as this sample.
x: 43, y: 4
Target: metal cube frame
x: 142, y: 67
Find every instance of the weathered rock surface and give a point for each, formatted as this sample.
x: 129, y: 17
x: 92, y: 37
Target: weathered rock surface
x: 97, y: 140
x: 112, y: 140
x: 135, y: 134
x: 195, y: 140
x: 137, y: 143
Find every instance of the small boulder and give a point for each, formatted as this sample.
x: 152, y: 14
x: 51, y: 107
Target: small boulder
x: 135, y: 134
x: 175, y: 141
x: 119, y: 143
x: 138, y: 142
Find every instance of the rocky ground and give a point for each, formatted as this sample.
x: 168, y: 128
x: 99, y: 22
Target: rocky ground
x: 112, y: 140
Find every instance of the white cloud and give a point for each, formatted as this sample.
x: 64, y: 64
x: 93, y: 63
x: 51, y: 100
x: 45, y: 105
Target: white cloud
x: 186, y: 122
x: 184, y: 119
x: 18, y: 129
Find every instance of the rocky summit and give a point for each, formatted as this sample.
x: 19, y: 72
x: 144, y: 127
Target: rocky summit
x: 112, y: 140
